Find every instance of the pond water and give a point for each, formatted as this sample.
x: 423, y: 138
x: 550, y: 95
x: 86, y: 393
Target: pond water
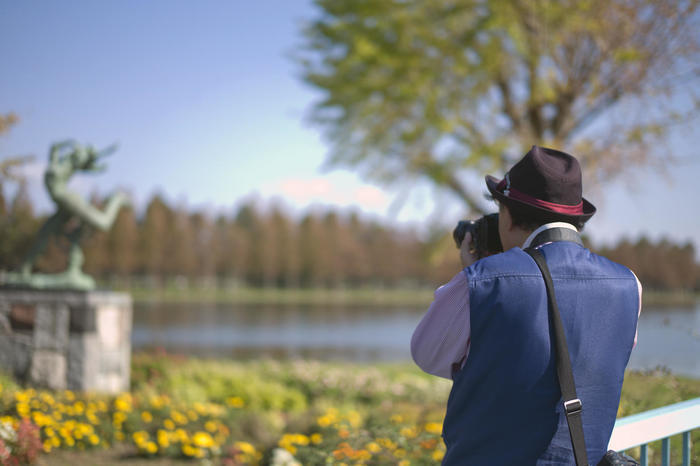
x: 668, y: 338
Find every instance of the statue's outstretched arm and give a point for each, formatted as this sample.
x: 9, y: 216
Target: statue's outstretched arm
x: 100, y: 219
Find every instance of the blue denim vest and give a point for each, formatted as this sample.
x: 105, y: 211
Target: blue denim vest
x: 505, y: 404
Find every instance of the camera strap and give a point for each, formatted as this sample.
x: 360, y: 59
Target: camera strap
x: 565, y: 374
x: 556, y: 234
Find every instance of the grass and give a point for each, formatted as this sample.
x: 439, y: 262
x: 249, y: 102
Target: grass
x: 289, y: 296
x: 366, y: 296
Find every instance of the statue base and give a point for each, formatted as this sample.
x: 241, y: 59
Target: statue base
x: 77, y: 340
x: 68, y: 280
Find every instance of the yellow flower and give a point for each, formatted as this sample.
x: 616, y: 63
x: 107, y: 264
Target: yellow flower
x: 438, y: 455
x: 397, y: 418
x: 47, y: 445
x: 400, y: 453
x: 235, y: 402
x: 94, y: 439
x: 140, y: 437
x: 151, y: 448
x: 316, y: 438
x: 163, y: 439
x: 433, y: 428
x: 69, y: 441
x: 123, y: 402
x: 23, y: 409
x: 178, y: 417
x: 192, y: 415
x: 373, y: 447
x: 79, y: 407
x: 157, y: 402
x: 69, y: 395
x: 409, y: 432
x: 169, y: 424
x: 188, y: 450
x: 211, y: 426
x: 146, y: 416
x: 404, y: 463
x: 55, y: 442
x: 202, y: 439
x: 387, y: 443
x: 245, y: 447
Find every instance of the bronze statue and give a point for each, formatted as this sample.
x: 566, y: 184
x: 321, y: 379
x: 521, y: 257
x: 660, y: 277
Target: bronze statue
x: 73, y: 214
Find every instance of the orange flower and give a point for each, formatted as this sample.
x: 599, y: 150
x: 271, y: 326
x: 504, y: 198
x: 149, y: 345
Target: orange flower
x: 429, y: 444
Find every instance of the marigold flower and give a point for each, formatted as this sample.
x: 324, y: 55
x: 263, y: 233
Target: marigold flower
x: 429, y: 444
x: 202, y: 439
x: 151, y: 448
x: 188, y: 450
x: 433, y: 428
x: 245, y: 447
x: 373, y: 447
x: 163, y: 439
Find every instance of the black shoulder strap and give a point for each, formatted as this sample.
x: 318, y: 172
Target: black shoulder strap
x: 572, y: 405
x: 556, y: 234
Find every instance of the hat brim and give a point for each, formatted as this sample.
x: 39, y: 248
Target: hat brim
x: 492, y: 185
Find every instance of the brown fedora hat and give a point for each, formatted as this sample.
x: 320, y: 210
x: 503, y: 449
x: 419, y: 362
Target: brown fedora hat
x: 545, y: 181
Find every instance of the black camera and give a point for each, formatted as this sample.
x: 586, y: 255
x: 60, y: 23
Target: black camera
x: 484, y: 231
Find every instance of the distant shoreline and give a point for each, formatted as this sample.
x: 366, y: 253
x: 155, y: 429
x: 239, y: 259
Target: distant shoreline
x: 418, y: 297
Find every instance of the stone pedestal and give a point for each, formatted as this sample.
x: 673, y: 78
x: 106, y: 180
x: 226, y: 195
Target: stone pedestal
x: 77, y: 340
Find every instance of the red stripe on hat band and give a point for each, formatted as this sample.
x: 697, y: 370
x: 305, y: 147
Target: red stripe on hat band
x: 558, y: 208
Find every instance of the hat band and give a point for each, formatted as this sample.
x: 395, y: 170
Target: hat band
x: 564, y: 209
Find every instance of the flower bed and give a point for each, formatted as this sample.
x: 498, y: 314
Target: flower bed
x: 259, y: 412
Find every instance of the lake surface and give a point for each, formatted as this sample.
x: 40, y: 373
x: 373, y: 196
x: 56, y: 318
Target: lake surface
x: 668, y: 338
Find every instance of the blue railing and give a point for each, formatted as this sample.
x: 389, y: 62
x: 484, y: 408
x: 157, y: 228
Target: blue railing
x: 658, y: 424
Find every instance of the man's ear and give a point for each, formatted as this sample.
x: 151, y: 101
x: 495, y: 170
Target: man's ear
x: 507, y: 221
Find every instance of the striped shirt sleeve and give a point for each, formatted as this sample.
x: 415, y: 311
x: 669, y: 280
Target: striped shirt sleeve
x: 440, y: 343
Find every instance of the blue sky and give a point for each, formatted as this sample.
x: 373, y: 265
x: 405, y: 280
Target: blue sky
x: 208, y: 110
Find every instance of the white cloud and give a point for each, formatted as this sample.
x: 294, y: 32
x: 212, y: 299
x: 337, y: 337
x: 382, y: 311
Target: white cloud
x: 334, y: 189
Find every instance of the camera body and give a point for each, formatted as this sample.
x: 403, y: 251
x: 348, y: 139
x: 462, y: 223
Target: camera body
x: 484, y: 231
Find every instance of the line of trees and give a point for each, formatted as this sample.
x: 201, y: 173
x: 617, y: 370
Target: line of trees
x: 267, y: 247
